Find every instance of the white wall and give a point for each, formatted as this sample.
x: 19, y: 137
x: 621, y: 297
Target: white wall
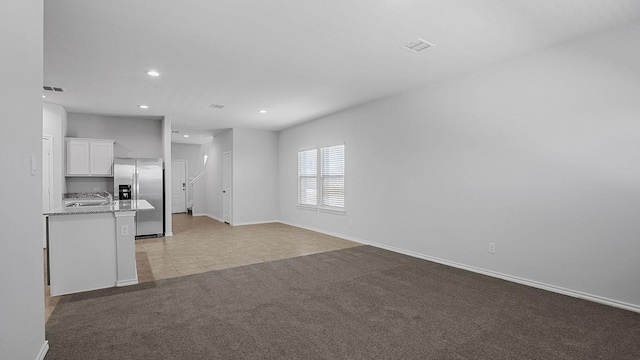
x: 538, y: 155
x: 54, y: 123
x: 255, y: 176
x: 221, y: 143
x: 138, y: 138
x: 21, y: 267
x: 166, y: 156
x: 195, y: 165
x: 254, y: 188
x: 200, y: 187
x: 89, y: 184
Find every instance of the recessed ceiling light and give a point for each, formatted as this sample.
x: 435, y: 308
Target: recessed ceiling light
x: 43, y: 96
x: 185, y: 135
x: 153, y: 73
x: 143, y: 106
x: 262, y: 111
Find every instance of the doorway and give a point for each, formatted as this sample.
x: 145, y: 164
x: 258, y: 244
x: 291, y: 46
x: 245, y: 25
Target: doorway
x: 178, y: 186
x: 226, y: 187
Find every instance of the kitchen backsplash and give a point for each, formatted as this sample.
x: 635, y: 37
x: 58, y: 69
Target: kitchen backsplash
x: 87, y: 195
x: 89, y: 185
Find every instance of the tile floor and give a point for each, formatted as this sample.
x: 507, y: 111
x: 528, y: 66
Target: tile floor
x: 200, y: 244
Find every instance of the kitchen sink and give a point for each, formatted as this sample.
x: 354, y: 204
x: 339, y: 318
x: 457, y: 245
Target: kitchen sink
x: 84, y: 203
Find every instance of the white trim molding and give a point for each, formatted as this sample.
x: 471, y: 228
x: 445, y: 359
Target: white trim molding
x: 256, y: 223
x: 515, y: 279
x: 121, y: 283
x: 198, y: 178
x: 209, y: 216
x: 43, y: 350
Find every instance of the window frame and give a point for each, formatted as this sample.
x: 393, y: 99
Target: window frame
x: 322, y: 177
x: 300, y: 204
x: 319, y: 181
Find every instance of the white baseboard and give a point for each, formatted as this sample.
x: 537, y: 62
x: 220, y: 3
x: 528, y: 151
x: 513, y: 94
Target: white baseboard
x: 211, y: 216
x: 215, y: 218
x: 168, y: 233
x: 515, y: 279
x: 237, y: 224
x: 121, y: 283
x: 256, y: 223
x: 43, y: 350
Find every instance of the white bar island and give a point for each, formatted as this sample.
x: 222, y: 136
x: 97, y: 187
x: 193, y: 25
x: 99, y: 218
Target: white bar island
x: 93, y: 247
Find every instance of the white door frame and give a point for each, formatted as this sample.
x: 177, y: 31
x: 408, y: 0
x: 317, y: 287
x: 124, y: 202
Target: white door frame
x: 186, y: 181
x: 49, y: 179
x: 50, y: 166
x: 227, y: 172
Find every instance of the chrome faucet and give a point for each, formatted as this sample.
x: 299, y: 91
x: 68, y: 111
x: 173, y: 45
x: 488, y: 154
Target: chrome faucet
x: 105, y: 195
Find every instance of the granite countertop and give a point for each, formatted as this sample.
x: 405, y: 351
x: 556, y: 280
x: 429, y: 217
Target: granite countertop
x: 87, y: 196
x: 115, y: 206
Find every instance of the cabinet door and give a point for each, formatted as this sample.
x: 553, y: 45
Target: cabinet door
x: 78, y: 157
x: 101, y: 158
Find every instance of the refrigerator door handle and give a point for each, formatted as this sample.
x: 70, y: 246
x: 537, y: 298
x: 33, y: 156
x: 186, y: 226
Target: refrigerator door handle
x: 136, y: 182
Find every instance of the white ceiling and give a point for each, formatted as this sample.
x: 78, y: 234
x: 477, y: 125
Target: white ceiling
x: 297, y: 59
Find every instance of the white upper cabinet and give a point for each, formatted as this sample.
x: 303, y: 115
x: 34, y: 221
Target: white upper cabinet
x: 101, y: 158
x: 78, y: 157
x: 89, y: 157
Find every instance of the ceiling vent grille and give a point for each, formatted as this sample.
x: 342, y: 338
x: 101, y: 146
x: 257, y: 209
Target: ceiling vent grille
x: 216, y: 106
x: 417, y: 46
x: 53, y: 88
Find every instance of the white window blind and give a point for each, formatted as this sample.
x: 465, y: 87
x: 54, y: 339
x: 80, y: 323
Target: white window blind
x: 308, y: 177
x: 332, y: 176
x: 321, y: 178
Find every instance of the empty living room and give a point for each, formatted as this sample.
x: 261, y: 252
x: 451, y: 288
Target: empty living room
x: 371, y: 179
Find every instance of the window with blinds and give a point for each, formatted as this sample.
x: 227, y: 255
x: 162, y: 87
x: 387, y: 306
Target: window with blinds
x: 308, y: 177
x: 332, y: 176
x: 321, y: 178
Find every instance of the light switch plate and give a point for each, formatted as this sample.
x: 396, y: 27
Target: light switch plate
x: 33, y: 163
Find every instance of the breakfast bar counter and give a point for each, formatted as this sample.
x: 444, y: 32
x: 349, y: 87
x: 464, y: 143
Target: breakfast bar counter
x: 113, y: 207
x: 91, y: 244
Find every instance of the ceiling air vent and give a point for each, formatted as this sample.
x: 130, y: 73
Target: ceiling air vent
x: 417, y: 46
x: 216, y: 106
x: 53, y: 88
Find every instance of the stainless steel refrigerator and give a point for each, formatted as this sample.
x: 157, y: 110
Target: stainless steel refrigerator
x: 141, y: 179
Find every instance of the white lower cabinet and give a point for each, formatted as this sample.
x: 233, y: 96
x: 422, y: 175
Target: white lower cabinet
x: 91, y: 251
x: 82, y: 253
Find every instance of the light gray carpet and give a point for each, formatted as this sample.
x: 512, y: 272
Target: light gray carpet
x: 357, y: 303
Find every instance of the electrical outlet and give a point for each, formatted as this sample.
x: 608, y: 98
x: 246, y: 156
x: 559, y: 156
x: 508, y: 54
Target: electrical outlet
x: 124, y: 230
x: 350, y: 222
x: 492, y: 248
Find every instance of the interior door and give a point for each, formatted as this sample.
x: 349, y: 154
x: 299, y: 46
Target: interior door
x: 226, y: 187
x: 178, y: 186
